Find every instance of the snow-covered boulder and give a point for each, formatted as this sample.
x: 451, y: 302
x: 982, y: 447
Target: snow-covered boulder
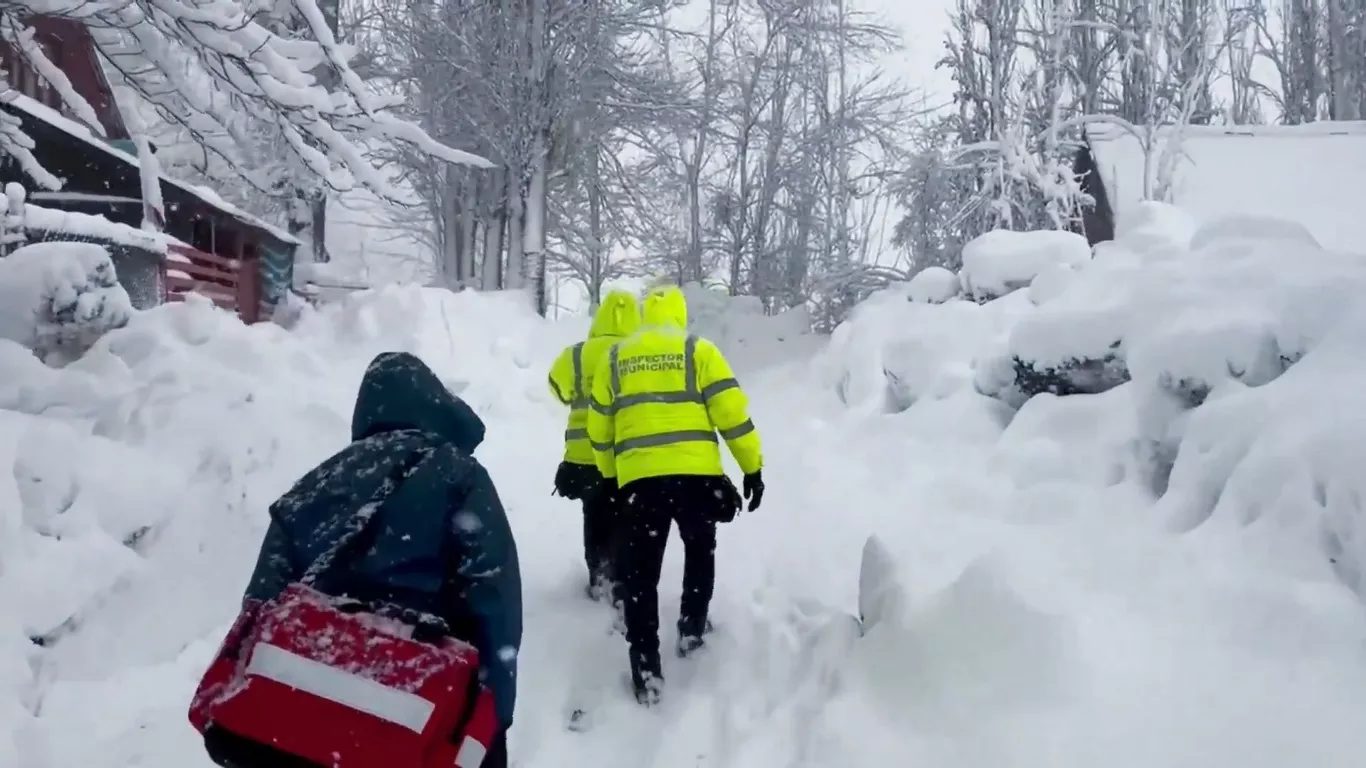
x: 58, y: 298
x: 934, y: 285
x: 1002, y: 261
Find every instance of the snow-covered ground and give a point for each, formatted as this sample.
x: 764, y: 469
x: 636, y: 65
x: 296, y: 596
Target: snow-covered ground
x: 1038, y: 605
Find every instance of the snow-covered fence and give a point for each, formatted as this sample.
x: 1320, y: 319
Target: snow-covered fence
x: 217, y: 278
x: 12, y: 219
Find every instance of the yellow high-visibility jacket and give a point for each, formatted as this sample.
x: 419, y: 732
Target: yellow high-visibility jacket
x: 660, y: 397
x: 571, y: 375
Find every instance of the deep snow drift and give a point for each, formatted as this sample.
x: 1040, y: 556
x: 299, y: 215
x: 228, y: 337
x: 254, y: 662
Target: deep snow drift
x: 1035, y: 603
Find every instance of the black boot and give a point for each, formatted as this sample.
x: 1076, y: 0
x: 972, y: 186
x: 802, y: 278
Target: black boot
x: 647, y: 680
x: 649, y: 690
x: 690, y: 640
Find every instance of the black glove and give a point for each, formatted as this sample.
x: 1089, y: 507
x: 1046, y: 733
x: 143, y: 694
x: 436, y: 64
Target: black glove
x: 754, y: 489
x: 566, y: 483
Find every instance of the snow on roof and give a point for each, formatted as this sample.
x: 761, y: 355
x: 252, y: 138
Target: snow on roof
x: 1308, y: 173
x: 51, y: 116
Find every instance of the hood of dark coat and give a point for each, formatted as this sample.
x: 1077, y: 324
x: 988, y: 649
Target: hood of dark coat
x: 400, y: 392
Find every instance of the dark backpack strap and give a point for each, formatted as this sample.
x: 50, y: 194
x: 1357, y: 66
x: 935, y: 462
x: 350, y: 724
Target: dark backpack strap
x: 361, y: 534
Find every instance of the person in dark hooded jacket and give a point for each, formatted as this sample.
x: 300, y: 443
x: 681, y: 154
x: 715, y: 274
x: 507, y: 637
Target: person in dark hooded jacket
x: 442, y: 543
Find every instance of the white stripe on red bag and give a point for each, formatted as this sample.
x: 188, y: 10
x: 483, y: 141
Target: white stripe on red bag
x: 350, y: 690
x: 471, y: 754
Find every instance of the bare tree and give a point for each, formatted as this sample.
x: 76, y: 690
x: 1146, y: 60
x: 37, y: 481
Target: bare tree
x: 542, y: 87
x: 1240, y: 48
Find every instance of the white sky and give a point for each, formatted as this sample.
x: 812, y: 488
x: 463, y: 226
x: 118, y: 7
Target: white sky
x: 922, y: 24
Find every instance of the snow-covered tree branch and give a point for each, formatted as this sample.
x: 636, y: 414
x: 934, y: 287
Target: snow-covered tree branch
x: 234, y: 83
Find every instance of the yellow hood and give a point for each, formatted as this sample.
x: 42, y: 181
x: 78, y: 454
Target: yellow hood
x: 619, y: 315
x: 666, y: 306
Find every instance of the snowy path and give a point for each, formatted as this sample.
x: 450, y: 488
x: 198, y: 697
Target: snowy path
x: 1047, y: 622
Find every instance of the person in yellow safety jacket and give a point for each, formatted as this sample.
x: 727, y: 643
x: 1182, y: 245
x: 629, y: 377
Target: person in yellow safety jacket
x: 659, y: 400
x: 571, y: 381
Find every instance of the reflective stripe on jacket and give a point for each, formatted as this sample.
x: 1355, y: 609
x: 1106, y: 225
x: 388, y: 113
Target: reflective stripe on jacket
x: 661, y: 397
x: 571, y: 375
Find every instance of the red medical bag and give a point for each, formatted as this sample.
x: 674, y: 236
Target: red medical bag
x: 305, y: 679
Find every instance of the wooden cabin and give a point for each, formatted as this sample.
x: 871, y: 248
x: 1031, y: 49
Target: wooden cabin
x: 238, y: 260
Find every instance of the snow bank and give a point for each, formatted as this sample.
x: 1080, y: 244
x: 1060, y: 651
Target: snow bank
x: 750, y: 339
x: 1281, y: 464
x: 1266, y: 228
x: 1220, y: 364
x: 1150, y: 225
x: 1025, y: 604
x: 894, y: 351
x: 1106, y: 644
x: 58, y: 298
x: 133, y: 483
x: 1002, y: 261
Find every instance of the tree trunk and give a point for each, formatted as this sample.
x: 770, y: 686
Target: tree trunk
x: 597, y: 265
x: 1342, y: 65
x: 495, y: 223
x: 515, y: 273
x: 534, y: 233
x: 450, y: 229
x: 318, y: 206
x: 469, y: 199
x: 692, y: 265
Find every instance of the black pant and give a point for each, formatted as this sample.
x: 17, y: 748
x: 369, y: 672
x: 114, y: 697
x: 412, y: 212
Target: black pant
x: 649, y: 506
x: 600, y: 519
x: 600, y: 522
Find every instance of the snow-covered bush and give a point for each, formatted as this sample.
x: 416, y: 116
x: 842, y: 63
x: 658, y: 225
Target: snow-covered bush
x: 59, y: 298
x: 1184, y: 319
x: 1002, y: 261
x: 1178, y: 319
x: 934, y: 285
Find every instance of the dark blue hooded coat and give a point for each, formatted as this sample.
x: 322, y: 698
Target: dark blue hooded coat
x: 441, y: 542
